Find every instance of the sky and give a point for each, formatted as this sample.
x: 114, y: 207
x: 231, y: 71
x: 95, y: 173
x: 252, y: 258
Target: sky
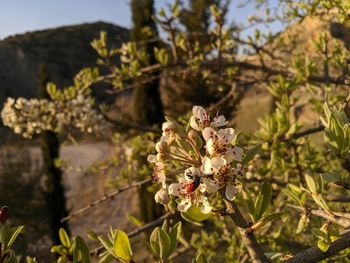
x: 20, y: 16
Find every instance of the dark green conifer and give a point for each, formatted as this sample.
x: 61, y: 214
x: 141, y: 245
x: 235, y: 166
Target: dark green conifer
x: 54, y: 191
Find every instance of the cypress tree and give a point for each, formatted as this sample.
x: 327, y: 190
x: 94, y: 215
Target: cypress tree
x: 54, y: 192
x: 196, y: 19
x: 148, y: 107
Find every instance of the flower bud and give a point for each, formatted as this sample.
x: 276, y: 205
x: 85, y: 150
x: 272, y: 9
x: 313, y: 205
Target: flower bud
x: 192, y: 134
x: 4, y: 214
x: 161, y: 146
x: 168, y: 126
x: 162, y: 196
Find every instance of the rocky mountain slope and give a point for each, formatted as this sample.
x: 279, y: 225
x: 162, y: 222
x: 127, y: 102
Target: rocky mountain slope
x: 63, y: 50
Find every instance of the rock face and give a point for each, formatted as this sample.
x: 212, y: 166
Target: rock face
x: 64, y: 51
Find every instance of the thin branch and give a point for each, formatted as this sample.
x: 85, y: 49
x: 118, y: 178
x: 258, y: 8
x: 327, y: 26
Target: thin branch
x: 304, y: 133
x: 103, y: 199
x: 314, y: 254
x: 130, y: 125
x: 254, y: 249
x: 334, y: 217
x: 139, y: 230
x: 336, y: 198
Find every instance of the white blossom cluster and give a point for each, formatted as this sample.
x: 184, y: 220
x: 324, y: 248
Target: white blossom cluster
x: 33, y: 116
x: 202, y: 159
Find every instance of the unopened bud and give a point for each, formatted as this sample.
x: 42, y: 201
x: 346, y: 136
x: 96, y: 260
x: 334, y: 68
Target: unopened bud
x: 161, y: 146
x: 4, y: 214
x: 168, y: 126
x: 192, y: 134
x: 162, y: 196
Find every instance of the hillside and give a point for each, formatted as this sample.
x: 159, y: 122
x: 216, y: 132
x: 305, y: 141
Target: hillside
x: 64, y: 51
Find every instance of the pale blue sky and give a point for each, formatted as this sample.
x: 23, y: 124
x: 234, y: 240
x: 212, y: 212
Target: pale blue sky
x: 19, y: 16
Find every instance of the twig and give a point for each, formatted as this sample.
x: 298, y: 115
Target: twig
x: 130, y: 125
x: 334, y: 217
x: 304, y: 133
x: 139, y: 230
x: 335, y: 198
x: 103, y: 199
x: 314, y: 254
x: 254, y: 249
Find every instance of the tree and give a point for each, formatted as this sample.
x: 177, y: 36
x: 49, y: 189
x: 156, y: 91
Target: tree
x: 271, y: 195
x: 148, y: 108
x: 54, y: 190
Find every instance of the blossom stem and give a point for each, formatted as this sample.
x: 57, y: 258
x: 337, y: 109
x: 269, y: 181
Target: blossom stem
x: 199, y: 156
x: 181, y: 158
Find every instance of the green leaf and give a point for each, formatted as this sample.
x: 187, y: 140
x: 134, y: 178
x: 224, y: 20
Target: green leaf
x: 134, y: 220
x: 264, y: 220
x: 107, y: 245
x: 311, y: 184
x: 92, y: 235
x: 164, y: 243
x: 165, y: 225
x: 122, y: 248
x: 81, y: 251
x: 323, y: 245
x: 64, y: 238
x: 194, y: 215
x: 14, y: 234
x: 263, y: 200
x: 302, y: 224
x: 201, y: 258
x: 251, y: 154
x: 174, y: 237
x: 5, y: 234
x: 31, y: 260
x: 154, y: 245
x: 59, y: 249
x: 248, y: 202
x: 319, y: 233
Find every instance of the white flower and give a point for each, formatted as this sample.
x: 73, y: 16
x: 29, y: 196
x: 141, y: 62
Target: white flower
x: 201, y: 119
x: 219, y: 121
x: 190, y: 189
x: 162, y: 196
x: 159, y: 173
x: 212, y: 165
x: 168, y: 129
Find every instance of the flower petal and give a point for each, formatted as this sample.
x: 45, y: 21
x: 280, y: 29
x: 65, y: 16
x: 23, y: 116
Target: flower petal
x: 210, y: 146
x: 175, y: 189
x: 219, y: 121
x: 206, y: 207
x: 211, y: 186
x: 199, y: 112
x: 162, y: 197
x: 208, y: 133
x: 184, y: 205
x: 218, y: 162
x: 193, y: 123
x: 226, y: 135
x: 206, y: 167
x: 230, y: 192
x: 229, y: 155
x: 238, y: 153
x: 151, y: 158
x: 168, y: 127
